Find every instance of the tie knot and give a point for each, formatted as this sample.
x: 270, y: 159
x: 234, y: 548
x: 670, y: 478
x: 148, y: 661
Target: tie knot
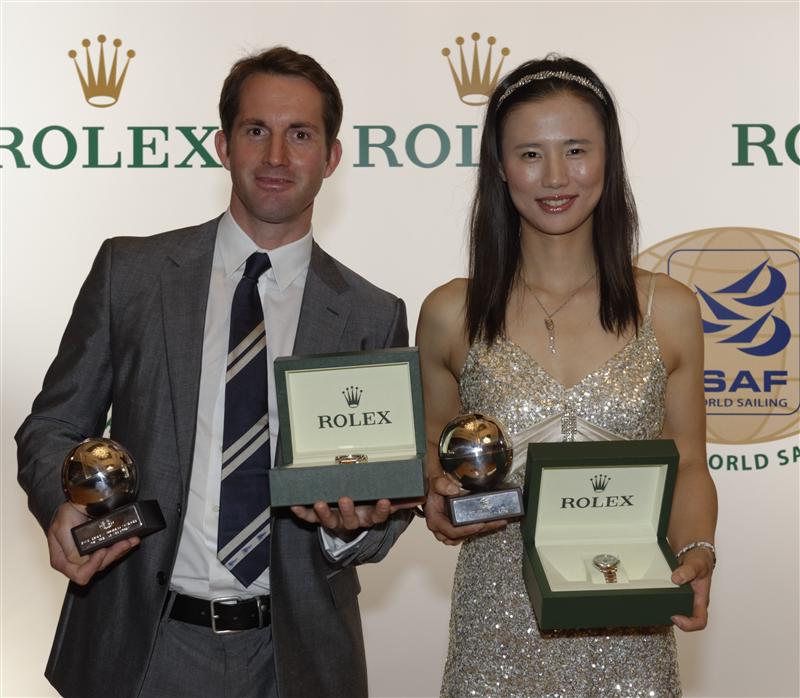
x: 257, y: 263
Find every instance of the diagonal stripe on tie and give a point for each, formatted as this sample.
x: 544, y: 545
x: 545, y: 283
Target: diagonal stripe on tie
x: 245, y: 533
x: 245, y: 400
x: 249, y: 546
x: 250, y: 563
x: 246, y: 438
x: 230, y: 467
x: 244, y: 511
x: 245, y: 343
x: 252, y: 354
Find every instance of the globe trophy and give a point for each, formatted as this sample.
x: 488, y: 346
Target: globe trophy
x: 100, y: 476
x: 475, y: 453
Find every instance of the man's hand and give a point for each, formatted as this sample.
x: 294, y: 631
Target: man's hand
x: 438, y: 520
x: 64, y: 556
x: 346, y: 518
x: 696, y: 569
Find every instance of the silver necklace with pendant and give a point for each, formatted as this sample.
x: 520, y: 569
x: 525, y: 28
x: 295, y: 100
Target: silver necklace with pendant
x: 549, y: 325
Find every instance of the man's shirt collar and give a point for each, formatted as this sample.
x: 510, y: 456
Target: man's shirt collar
x: 288, y: 261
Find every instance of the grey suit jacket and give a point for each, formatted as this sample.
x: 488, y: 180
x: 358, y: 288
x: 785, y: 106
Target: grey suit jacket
x: 134, y: 342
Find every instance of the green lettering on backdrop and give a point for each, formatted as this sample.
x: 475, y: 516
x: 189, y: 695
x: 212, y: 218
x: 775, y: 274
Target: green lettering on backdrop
x: 197, y: 146
x: 411, y: 145
x: 744, y: 143
x: 13, y: 147
x: 791, y: 144
x: 386, y: 146
x: 139, y: 146
x: 94, y: 149
x: 466, y: 145
x: 38, y: 147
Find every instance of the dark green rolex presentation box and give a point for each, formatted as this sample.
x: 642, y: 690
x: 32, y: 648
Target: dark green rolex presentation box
x: 351, y: 425
x: 595, y: 534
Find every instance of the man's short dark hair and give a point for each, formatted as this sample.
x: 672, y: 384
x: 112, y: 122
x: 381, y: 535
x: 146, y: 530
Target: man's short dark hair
x: 282, y: 61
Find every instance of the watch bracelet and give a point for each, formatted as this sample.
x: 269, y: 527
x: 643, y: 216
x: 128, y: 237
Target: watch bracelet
x: 699, y: 544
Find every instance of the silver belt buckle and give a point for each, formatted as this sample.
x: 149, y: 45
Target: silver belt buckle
x: 214, y: 616
x: 261, y: 608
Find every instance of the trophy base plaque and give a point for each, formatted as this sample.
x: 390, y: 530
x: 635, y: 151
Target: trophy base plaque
x: 479, y: 507
x: 136, y: 519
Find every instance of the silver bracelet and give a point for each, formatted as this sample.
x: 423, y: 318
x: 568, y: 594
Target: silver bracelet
x: 698, y: 544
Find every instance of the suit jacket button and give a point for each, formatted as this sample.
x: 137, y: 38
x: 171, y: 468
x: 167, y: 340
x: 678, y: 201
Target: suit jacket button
x: 179, y: 508
x: 161, y: 578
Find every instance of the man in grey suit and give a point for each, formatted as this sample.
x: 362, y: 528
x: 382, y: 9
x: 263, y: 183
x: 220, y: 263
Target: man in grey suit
x: 149, y: 336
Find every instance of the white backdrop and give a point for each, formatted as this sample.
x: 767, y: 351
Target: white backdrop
x: 683, y: 73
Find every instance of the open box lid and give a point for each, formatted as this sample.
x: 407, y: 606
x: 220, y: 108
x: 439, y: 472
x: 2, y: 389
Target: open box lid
x: 350, y: 403
x: 585, y: 499
x: 594, y: 491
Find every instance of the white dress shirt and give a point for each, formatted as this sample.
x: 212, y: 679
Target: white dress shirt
x: 197, y: 570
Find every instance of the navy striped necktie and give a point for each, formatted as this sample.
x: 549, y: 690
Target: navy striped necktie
x: 244, y: 515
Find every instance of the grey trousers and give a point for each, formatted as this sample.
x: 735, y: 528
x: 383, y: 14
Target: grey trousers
x: 190, y: 661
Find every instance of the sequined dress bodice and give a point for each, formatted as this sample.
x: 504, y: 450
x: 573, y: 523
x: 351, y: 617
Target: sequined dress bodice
x: 496, y: 648
x: 625, y: 395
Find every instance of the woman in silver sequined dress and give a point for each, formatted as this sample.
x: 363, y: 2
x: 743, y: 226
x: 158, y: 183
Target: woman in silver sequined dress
x: 554, y: 321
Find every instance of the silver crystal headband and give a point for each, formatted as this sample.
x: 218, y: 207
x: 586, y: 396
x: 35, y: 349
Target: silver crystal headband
x: 547, y: 75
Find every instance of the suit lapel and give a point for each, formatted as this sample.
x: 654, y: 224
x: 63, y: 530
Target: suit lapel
x: 184, y: 295
x: 325, y: 308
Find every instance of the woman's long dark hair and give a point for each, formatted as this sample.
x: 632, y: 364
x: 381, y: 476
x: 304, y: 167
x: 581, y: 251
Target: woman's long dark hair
x: 495, y: 247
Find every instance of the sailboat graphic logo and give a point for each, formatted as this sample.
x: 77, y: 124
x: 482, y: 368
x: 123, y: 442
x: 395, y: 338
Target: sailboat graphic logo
x: 732, y: 308
x: 747, y: 285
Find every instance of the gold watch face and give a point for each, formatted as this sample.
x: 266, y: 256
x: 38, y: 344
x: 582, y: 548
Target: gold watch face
x: 605, y: 562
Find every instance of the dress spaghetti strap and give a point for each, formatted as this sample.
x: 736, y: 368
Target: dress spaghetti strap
x: 650, y: 293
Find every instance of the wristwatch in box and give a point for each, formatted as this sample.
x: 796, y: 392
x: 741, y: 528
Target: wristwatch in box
x: 608, y: 565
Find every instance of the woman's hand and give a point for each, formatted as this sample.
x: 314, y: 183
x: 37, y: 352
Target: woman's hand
x: 437, y: 517
x: 696, y: 569
x: 443, y: 347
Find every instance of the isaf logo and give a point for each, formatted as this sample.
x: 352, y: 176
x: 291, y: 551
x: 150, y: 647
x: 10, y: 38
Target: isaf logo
x: 747, y: 282
x: 728, y: 304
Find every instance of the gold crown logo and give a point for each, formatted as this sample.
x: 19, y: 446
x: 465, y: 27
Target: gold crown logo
x: 475, y: 83
x: 101, y: 88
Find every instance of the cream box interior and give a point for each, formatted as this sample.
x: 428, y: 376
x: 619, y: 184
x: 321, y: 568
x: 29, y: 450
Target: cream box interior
x: 365, y: 409
x: 588, y: 511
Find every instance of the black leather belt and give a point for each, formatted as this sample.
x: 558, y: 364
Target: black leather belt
x: 224, y: 615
